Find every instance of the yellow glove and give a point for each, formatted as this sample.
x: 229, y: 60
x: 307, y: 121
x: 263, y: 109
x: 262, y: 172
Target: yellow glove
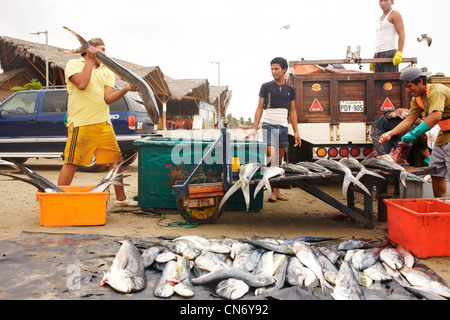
x: 372, y: 67
x: 397, y: 58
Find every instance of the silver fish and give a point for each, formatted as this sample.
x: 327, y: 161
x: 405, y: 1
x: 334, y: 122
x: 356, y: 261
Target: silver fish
x: 385, y: 162
x: 163, y: 288
x: 184, y: 248
x: 363, y: 259
x: 36, y: 180
x: 355, y: 165
x: 329, y: 269
x: 347, y: 288
x: 202, y: 243
x: 424, y: 282
x: 127, y: 272
x: 408, y: 258
x: 149, y: 255
x: 232, y: 289
x: 353, y: 244
x: 112, y: 177
x: 246, y: 172
x: 143, y: 88
x: 253, y: 260
x: 269, y: 245
x: 295, y: 168
x: 269, y: 172
x: 280, y: 276
x: 392, y: 258
x: 299, y: 275
x: 181, y: 278
x: 308, y: 258
x: 314, y: 167
x: 165, y: 256
x: 377, y: 272
x: 348, y: 177
x: 209, y: 261
x: 230, y: 272
x: 266, y: 265
x: 363, y: 279
x: 331, y: 254
x: 240, y: 247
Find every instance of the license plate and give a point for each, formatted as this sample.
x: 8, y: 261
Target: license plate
x: 351, y: 106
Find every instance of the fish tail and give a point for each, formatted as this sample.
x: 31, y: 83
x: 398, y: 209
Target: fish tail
x: 359, y: 184
x: 417, y: 178
x: 232, y: 190
x: 345, y: 185
x: 403, y: 176
x: 363, y: 172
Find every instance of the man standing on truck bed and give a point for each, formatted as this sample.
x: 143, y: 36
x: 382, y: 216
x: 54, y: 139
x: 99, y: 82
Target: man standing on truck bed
x: 277, y: 98
x: 91, y: 89
x: 434, y: 99
x: 390, y: 38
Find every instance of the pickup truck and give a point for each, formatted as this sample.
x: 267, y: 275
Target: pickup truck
x: 32, y: 125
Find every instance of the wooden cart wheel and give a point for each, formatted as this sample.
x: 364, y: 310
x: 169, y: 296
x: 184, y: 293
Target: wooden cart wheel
x: 207, y: 213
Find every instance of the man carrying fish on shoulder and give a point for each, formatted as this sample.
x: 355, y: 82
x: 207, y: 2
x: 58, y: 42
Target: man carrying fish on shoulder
x: 91, y: 89
x: 277, y: 98
x: 434, y: 99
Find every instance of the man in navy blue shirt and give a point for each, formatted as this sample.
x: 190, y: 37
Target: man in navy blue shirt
x: 277, y: 99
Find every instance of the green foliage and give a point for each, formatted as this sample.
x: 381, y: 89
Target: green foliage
x: 33, y: 85
x: 234, y: 123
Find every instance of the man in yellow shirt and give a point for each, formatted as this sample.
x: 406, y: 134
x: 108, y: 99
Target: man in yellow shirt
x: 91, y: 89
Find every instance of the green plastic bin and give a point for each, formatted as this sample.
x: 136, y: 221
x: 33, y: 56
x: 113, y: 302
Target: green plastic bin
x: 163, y: 161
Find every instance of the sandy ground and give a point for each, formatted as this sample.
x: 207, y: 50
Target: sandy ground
x: 303, y: 215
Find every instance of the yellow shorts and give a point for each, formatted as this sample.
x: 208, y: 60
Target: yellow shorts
x: 85, y: 141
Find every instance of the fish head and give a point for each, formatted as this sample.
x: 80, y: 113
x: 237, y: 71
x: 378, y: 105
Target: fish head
x: 124, y: 281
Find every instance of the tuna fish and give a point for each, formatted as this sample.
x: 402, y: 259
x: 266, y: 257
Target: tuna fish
x: 308, y: 258
x: 268, y: 173
x: 127, y: 272
x: 385, y: 162
x: 355, y: 165
x: 348, y: 177
x: 246, y: 172
x: 347, y: 288
x: 232, y: 289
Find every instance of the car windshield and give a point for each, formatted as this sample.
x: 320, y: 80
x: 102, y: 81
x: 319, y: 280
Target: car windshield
x: 21, y: 103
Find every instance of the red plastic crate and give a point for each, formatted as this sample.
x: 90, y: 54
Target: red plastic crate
x: 421, y: 226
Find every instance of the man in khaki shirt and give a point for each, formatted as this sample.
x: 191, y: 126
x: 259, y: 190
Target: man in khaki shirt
x: 90, y: 87
x: 434, y: 100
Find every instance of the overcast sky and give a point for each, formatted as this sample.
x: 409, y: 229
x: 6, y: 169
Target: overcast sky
x: 183, y: 37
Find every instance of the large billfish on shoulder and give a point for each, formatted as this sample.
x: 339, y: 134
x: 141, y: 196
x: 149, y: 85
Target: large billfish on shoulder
x: 144, y: 90
x: 385, y: 162
x: 348, y: 177
x: 246, y: 172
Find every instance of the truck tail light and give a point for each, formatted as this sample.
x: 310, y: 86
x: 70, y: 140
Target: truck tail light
x: 321, y: 152
x: 132, y: 122
x: 367, y: 151
x: 332, y: 152
x: 355, y: 152
x: 343, y: 152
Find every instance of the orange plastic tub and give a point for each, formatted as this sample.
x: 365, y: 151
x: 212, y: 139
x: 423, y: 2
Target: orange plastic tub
x: 75, y: 207
x: 422, y: 226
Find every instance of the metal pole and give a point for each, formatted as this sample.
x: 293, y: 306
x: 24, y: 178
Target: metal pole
x: 46, y: 53
x: 46, y: 58
x: 218, y: 81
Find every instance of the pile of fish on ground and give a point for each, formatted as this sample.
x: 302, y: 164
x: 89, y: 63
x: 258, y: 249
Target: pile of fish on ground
x: 262, y: 266
x: 321, y: 167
